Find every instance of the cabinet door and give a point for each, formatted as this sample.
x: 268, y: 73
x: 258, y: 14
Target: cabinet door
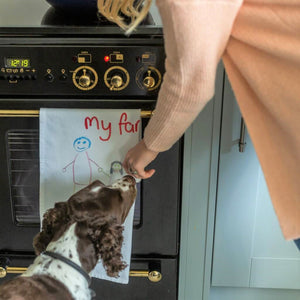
x: 249, y: 249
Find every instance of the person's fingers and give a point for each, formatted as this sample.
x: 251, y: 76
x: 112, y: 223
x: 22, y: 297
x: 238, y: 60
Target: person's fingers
x: 145, y: 174
x: 137, y: 159
x: 135, y: 171
x: 140, y: 174
x: 137, y: 176
x: 130, y: 169
x: 149, y: 173
x: 125, y: 164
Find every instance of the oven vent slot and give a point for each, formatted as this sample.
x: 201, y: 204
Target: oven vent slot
x: 23, y: 168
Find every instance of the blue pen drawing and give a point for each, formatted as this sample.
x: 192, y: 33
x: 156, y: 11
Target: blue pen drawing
x: 82, y: 163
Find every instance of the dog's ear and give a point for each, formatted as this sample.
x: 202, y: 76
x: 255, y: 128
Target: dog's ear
x: 55, y: 221
x: 108, y: 240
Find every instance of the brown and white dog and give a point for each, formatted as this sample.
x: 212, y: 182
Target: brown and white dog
x: 83, y: 229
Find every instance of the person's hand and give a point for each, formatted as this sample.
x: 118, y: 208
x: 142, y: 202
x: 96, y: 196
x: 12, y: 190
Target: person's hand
x: 137, y: 158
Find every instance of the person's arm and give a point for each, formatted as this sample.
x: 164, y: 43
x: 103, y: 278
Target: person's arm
x: 195, y: 33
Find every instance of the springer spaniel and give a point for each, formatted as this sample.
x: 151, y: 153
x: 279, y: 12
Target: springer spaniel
x: 75, y: 234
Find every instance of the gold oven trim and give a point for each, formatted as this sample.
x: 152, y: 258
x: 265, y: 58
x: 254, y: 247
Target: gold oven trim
x: 36, y: 113
x: 154, y: 276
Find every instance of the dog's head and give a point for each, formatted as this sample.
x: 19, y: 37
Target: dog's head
x: 99, y: 212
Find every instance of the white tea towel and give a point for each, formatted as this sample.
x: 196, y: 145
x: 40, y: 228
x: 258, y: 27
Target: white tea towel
x: 78, y: 146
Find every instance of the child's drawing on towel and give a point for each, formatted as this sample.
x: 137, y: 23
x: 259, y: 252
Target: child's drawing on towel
x: 82, y: 164
x: 116, y: 171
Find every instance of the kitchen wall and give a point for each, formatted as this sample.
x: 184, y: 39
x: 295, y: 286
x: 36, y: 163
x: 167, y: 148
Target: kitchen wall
x: 14, y: 10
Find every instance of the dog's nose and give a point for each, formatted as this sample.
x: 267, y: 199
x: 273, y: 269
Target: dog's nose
x: 129, y: 179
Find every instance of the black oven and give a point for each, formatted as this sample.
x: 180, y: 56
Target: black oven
x: 101, y: 69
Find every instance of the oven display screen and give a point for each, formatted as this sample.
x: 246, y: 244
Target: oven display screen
x: 17, y: 62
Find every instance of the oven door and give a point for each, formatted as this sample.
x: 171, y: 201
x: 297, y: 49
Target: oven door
x: 156, y: 220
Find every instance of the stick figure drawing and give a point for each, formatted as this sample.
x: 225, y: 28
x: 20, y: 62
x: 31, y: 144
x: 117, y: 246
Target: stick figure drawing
x: 82, y: 164
x: 116, y: 171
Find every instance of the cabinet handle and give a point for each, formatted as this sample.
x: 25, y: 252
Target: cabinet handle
x: 242, y: 143
x: 154, y: 276
x: 36, y: 113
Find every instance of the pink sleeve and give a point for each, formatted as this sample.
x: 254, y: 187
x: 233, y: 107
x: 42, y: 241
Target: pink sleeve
x: 196, y: 33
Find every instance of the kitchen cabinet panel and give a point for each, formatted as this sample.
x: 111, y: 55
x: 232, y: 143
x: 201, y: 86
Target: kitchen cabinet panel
x: 249, y: 249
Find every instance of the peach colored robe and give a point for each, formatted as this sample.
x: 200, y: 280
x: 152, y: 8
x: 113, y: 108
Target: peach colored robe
x: 259, y: 41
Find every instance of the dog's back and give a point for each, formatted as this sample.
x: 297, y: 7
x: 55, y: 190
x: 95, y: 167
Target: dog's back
x: 34, y: 288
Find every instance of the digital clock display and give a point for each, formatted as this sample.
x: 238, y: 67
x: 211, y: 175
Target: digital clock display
x: 17, y: 62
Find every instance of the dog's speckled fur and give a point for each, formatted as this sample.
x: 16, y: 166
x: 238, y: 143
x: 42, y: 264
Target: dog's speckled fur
x: 66, y: 245
x: 84, y: 229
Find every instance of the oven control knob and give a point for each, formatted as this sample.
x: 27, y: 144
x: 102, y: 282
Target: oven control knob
x: 63, y: 77
x: 116, y: 78
x: 49, y: 77
x: 116, y: 81
x: 148, y: 78
x: 149, y: 81
x: 85, y: 78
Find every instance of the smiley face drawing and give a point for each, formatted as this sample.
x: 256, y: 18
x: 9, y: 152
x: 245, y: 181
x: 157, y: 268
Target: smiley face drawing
x: 82, y: 143
x: 82, y: 163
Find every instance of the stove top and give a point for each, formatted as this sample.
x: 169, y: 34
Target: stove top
x: 19, y: 17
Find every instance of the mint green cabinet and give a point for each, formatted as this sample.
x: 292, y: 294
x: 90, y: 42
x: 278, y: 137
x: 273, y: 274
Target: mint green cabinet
x: 249, y: 249
x: 231, y: 246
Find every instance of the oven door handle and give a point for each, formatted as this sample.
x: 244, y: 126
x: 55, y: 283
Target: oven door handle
x: 152, y: 275
x: 36, y: 113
